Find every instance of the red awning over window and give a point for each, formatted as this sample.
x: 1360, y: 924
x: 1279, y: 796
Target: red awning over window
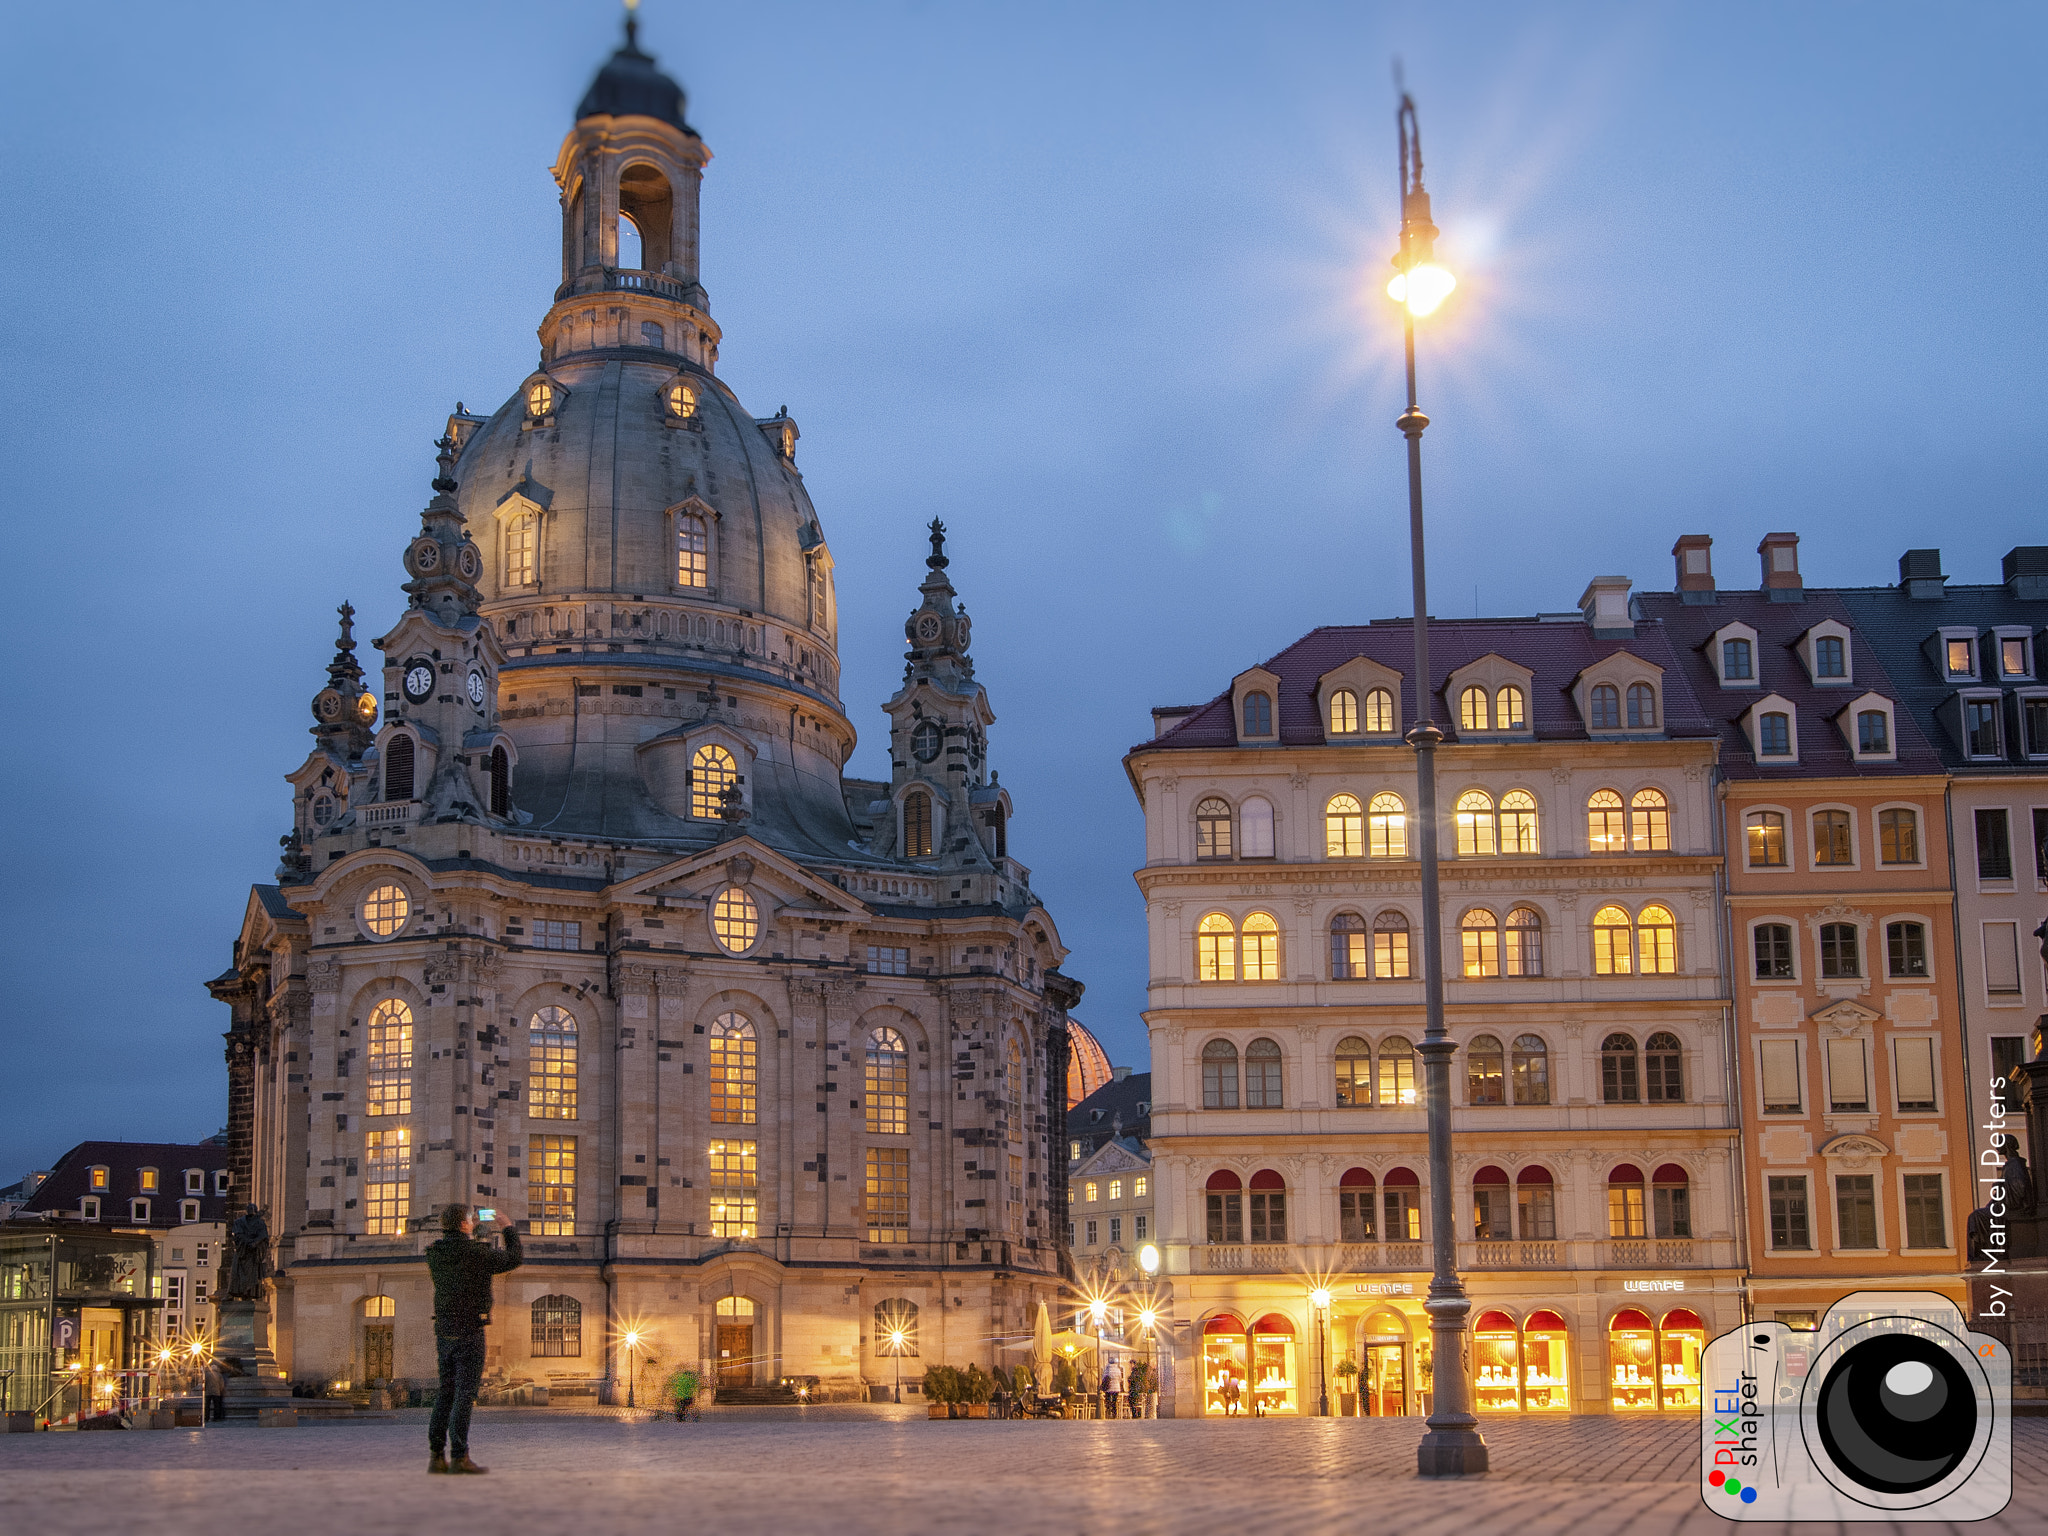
x: 1355, y: 1178
x: 1223, y: 1178
x: 1628, y: 1318
x: 1223, y: 1322
x: 1266, y: 1178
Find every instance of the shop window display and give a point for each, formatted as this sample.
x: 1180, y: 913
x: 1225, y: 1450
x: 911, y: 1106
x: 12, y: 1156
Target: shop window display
x: 1680, y: 1339
x: 1631, y: 1354
x: 1223, y: 1367
x: 1496, y: 1364
x: 1386, y: 1366
x: 1546, y: 1364
x: 1273, y: 1361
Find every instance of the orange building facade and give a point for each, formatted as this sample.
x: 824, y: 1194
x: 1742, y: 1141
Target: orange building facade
x: 1851, y: 1082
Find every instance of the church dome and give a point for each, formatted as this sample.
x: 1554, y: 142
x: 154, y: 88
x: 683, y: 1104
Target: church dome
x: 614, y: 488
x: 630, y: 86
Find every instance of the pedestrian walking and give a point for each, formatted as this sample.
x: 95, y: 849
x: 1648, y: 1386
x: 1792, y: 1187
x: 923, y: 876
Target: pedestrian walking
x: 462, y: 1266
x: 1112, y: 1386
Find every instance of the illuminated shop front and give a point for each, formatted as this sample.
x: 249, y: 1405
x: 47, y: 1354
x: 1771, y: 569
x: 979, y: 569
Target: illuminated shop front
x: 1384, y: 1365
x: 1521, y: 1368
x: 1655, y: 1365
x: 1225, y: 1386
x: 1274, y: 1365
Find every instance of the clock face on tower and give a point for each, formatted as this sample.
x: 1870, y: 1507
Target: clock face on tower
x: 419, y: 681
x: 476, y: 688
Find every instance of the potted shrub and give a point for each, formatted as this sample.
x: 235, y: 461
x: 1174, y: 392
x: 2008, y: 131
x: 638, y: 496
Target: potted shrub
x: 977, y: 1388
x: 940, y: 1391
x: 1143, y: 1390
x: 1063, y: 1383
x: 682, y: 1387
x: 1346, y: 1372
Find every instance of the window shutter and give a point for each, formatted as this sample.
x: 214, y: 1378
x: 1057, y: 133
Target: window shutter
x: 1915, y: 1059
x: 1848, y: 1082
x: 2002, y: 959
x: 1781, y: 1074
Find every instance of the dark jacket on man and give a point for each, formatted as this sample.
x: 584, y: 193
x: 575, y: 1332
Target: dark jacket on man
x: 462, y: 1268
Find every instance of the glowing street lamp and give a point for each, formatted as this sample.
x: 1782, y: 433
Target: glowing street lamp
x: 632, y: 1343
x: 896, y: 1338
x: 1452, y: 1446
x: 1148, y: 1259
x: 1319, y: 1298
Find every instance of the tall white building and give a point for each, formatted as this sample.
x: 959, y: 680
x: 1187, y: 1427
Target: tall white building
x: 1594, y: 1134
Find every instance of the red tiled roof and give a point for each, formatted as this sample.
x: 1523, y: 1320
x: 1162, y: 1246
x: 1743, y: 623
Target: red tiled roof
x: 1556, y: 651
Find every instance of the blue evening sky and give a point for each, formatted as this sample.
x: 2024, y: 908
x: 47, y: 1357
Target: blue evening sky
x: 1098, y: 284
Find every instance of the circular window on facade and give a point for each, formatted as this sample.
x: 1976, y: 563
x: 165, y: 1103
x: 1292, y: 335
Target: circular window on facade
x: 924, y: 741
x: 540, y: 398
x: 385, y: 910
x: 735, y: 920
x: 681, y: 401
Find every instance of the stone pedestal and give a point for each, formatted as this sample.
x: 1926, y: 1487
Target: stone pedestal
x: 254, y: 1381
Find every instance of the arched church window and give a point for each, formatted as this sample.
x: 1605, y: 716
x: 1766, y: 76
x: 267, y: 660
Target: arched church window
x: 398, y: 761
x: 917, y: 825
x: 652, y: 335
x: 501, y: 782
x: 520, y: 537
x: 389, y: 1090
x: 735, y: 1070
x: 631, y: 254
x: 385, y: 910
x: 712, y: 770
x: 551, y: 1064
x: 693, y: 556
x: 887, y: 1096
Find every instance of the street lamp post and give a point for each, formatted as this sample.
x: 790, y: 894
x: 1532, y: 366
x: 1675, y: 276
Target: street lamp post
x: 632, y: 1343
x: 1319, y: 1299
x: 1452, y: 1446
x: 896, y: 1349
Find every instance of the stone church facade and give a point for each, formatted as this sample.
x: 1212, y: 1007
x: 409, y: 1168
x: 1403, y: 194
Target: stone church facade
x: 580, y: 918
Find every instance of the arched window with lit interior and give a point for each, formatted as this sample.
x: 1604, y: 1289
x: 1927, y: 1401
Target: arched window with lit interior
x: 1518, y: 823
x: 1386, y: 827
x: 1379, y: 712
x: 885, y: 1096
x: 1649, y: 815
x: 1344, y: 828
x: 1216, y: 948
x: 712, y: 772
x: 1606, y: 823
x: 1473, y: 714
x: 1613, y: 952
x: 1529, y: 1070
x: 1354, y: 1073
x: 1475, y: 825
x: 1479, y: 940
x: 735, y: 1070
x: 1485, y: 1071
x: 551, y: 1065
x: 521, y: 542
x: 1656, y: 941
x: 693, y: 552
x: 1396, y: 1079
x: 1259, y: 948
x: 1343, y: 713
x: 1508, y: 712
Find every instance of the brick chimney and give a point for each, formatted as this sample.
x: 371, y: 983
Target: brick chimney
x: 1694, y: 553
x: 1780, y: 553
x: 1920, y: 574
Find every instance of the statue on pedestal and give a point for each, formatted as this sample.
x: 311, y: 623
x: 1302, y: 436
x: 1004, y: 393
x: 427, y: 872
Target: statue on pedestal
x: 245, y: 1257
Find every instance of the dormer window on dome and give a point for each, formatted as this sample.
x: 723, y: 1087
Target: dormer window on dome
x: 681, y: 405
x: 542, y: 398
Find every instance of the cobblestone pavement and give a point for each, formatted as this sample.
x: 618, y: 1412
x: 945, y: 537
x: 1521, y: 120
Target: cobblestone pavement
x: 880, y: 1469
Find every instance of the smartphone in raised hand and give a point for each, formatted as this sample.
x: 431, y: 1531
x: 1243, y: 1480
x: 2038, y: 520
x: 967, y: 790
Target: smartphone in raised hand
x: 486, y: 1213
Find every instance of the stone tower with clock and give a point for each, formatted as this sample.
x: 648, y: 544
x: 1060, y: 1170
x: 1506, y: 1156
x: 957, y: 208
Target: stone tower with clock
x: 581, y: 917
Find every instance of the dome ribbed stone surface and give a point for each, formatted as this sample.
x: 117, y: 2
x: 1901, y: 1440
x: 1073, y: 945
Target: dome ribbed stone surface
x: 608, y: 472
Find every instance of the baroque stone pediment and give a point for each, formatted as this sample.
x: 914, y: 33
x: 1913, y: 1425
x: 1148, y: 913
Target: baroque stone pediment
x: 745, y: 861
x: 1845, y: 1015
x: 1854, y: 1149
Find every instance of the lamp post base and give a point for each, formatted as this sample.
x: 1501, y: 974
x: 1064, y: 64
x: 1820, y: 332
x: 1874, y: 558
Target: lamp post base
x: 1451, y: 1453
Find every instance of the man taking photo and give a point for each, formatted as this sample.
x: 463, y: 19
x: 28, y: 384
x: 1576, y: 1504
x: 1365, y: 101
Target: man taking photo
x: 462, y: 1265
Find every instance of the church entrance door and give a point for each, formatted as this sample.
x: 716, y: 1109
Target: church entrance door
x: 735, y: 1354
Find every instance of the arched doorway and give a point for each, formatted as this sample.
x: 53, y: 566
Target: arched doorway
x: 734, y: 1341
x: 1383, y: 1364
x: 379, y: 1339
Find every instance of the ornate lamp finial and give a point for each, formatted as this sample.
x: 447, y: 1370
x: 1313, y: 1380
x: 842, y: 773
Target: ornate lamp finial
x: 937, y: 559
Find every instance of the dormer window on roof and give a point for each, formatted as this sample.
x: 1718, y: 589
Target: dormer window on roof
x: 1825, y: 651
x: 1731, y: 651
x: 1869, y: 726
x: 1954, y: 652
x: 2015, y: 652
x: 1252, y: 696
x: 1771, y: 724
